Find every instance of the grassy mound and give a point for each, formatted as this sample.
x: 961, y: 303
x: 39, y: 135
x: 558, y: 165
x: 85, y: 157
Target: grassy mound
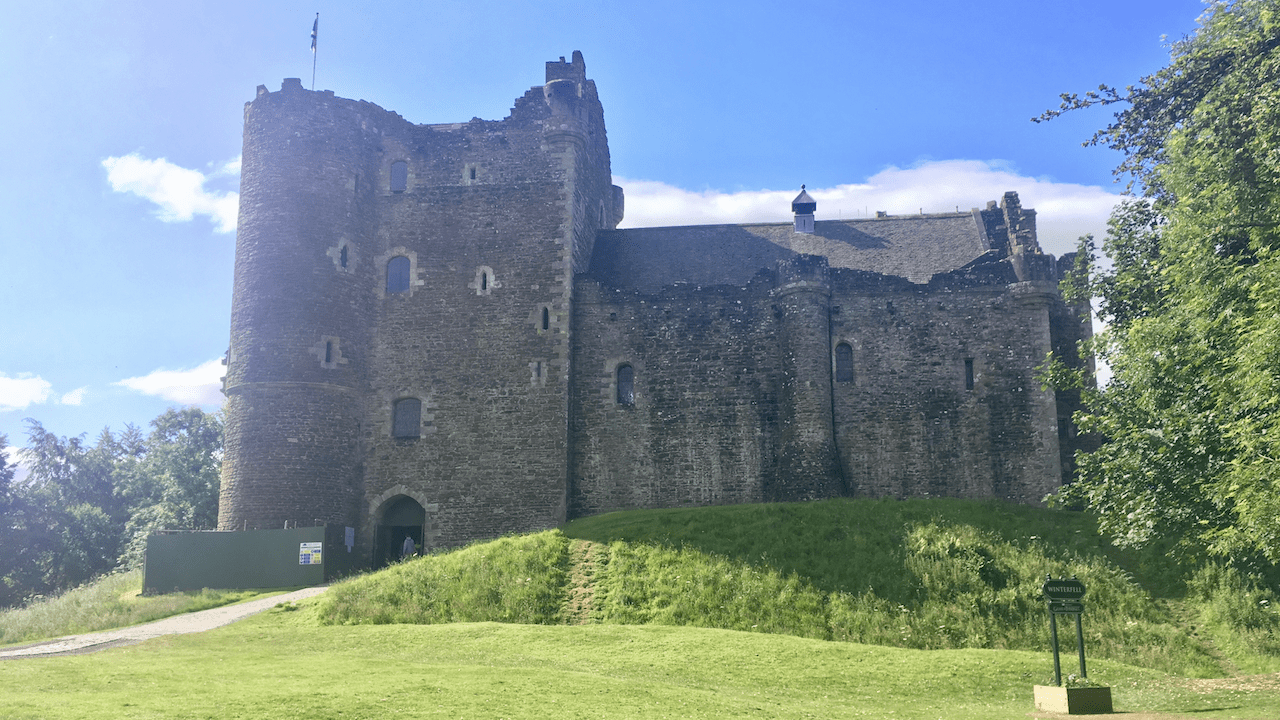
x: 514, y: 579
x: 926, y: 574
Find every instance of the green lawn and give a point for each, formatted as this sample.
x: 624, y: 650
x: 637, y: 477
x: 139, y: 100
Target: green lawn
x: 919, y: 609
x: 281, y: 665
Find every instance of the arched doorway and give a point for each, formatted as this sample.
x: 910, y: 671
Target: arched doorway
x: 401, y: 517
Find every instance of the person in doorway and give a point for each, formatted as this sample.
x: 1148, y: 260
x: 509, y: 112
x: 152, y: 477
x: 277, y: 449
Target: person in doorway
x: 406, y: 550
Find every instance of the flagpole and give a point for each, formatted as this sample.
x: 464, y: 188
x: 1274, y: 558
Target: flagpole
x: 315, y: 30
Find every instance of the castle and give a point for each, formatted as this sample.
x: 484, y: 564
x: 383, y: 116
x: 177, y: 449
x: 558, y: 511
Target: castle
x: 439, y: 332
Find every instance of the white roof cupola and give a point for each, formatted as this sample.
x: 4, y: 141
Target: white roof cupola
x: 803, y: 206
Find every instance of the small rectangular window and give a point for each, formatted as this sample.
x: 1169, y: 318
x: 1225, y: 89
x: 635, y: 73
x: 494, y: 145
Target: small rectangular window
x: 407, y: 418
x: 968, y: 373
x: 626, y: 386
x: 399, y: 176
x: 844, y: 363
x: 398, y: 275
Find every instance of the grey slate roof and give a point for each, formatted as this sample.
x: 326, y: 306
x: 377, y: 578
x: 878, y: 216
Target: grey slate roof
x: 911, y: 246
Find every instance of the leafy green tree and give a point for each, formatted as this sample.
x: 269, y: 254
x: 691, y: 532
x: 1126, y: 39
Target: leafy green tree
x: 175, y: 481
x: 86, y: 509
x: 68, y: 526
x: 1191, y: 416
x: 8, y: 536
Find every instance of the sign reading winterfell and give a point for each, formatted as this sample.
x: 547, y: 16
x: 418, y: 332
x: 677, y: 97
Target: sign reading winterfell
x: 1062, y: 589
x: 1064, y: 596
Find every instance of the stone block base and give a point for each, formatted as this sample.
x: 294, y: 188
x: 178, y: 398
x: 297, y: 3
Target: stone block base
x: 1073, y: 701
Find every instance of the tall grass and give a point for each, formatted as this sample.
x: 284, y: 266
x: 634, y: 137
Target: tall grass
x: 514, y: 579
x: 110, y: 602
x: 1241, y: 616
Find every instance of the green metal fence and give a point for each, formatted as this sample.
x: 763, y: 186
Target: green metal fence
x: 248, y: 559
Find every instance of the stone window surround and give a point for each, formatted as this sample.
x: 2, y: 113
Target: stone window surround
x: 609, y: 383
x: 334, y: 351
x: 553, y: 319
x: 538, y: 370
x: 391, y: 177
x: 406, y: 428
x: 381, y: 262
x: 614, y: 367
x: 851, y: 375
x: 970, y: 372
x: 428, y: 418
x: 335, y: 253
x: 484, y: 286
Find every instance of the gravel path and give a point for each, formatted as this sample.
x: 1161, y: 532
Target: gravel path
x: 176, y: 625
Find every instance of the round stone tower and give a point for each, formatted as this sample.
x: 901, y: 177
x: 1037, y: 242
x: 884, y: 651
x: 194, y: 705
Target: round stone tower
x: 808, y: 466
x: 301, y: 312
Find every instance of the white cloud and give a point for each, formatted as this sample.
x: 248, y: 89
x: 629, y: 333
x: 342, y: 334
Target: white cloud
x: 230, y: 168
x: 75, y: 397
x: 13, y: 458
x: 17, y: 393
x: 1064, y: 211
x: 179, y: 192
x: 201, y: 385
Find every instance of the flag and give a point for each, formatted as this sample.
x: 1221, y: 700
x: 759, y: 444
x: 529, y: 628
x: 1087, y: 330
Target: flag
x: 315, y: 28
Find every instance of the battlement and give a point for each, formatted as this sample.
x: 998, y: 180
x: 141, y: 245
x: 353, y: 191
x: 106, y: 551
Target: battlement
x: 575, y: 70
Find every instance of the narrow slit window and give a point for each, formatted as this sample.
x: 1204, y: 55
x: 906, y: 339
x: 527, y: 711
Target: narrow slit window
x: 343, y: 256
x: 626, y: 385
x: 473, y: 172
x: 844, y: 363
x: 484, y: 281
x: 546, y: 318
x: 968, y: 373
x: 399, y: 176
x: 397, y: 275
x: 407, y: 418
x: 537, y: 369
x: 328, y: 351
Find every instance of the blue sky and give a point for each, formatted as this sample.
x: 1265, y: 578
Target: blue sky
x: 121, y: 139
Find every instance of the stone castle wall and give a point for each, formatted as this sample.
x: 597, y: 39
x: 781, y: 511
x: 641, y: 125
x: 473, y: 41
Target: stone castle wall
x: 720, y: 378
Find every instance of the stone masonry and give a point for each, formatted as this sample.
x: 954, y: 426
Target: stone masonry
x: 438, y: 330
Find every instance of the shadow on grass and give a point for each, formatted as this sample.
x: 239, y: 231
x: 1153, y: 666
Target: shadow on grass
x: 851, y: 546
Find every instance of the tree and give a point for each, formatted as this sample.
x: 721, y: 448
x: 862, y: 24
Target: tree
x: 8, y: 539
x: 175, y: 482
x: 1191, y: 417
x: 68, y: 523
x: 87, y: 509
